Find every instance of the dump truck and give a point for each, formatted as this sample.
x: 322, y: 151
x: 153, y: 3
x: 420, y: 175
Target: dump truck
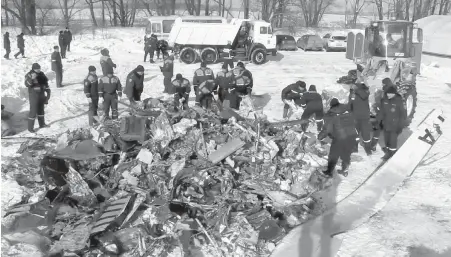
x: 388, y: 49
x: 240, y: 39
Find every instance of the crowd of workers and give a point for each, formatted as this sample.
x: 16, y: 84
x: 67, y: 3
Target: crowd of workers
x: 345, y: 124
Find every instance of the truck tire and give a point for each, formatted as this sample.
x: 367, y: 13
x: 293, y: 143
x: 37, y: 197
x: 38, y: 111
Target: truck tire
x: 188, y: 55
x: 209, y: 55
x: 410, y: 103
x: 258, y: 56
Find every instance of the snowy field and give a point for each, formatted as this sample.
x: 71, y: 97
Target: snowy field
x: 417, y: 220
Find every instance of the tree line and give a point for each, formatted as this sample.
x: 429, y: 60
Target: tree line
x: 280, y: 13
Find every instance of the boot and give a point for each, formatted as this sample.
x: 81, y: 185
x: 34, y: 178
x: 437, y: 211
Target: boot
x: 31, y: 125
x: 42, y: 122
x: 330, y: 169
x: 373, y: 144
x: 367, y: 148
x: 388, y: 154
x: 344, y: 169
x: 151, y: 61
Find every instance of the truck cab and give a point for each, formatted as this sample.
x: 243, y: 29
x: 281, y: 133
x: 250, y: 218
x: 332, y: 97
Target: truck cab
x: 260, y: 32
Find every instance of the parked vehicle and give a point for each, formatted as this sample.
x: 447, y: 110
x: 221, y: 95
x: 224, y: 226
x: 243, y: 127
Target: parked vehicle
x: 310, y: 42
x: 161, y: 25
x: 334, y: 41
x: 286, y: 42
x: 241, y: 39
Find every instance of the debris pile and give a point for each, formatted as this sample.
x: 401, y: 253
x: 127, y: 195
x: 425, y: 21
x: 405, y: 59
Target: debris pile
x: 192, y: 183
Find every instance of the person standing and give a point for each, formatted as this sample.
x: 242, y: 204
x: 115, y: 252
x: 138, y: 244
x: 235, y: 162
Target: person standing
x: 106, y: 63
x: 150, y: 47
x: 360, y: 108
x: 340, y: 128
x: 242, y: 85
x: 168, y: 73
x: 91, y: 89
x: 292, y: 92
x: 223, y: 81
x: 162, y: 46
x: 67, y: 38
x: 109, y: 89
x: 312, y: 102
x: 20, y: 45
x: 38, y: 94
x: 200, y: 76
x: 182, y: 89
x: 391, y: 119
x: 62, y: 43
x: 6, y: 45
x: 205, y: 94
x: 57, y: 66
x: 135, y: 85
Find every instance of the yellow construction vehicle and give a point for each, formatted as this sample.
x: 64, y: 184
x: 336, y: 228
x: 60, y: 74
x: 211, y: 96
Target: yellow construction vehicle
x: 389, y: 49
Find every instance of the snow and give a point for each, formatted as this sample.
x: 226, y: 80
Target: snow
x: 418, y: 215
x: 436, y: 34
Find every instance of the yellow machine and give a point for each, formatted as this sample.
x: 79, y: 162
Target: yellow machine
x: 389, y: 49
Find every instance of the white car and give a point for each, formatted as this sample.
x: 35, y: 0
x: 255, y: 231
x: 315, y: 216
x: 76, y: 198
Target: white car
x: 335, y: 42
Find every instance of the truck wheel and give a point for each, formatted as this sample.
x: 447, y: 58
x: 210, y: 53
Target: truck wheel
x: 410, y: 103
x: 258, y: 56
x: 188, y: 55
x: 209, y: 55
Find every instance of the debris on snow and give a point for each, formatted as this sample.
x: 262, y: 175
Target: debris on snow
x: 199, y: 183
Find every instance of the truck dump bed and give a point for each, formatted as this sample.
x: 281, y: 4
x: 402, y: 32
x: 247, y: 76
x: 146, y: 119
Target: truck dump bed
x: 207, y: 34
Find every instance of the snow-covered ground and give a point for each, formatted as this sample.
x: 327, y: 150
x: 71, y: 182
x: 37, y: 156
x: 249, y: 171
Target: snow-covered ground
x: 418, y: 218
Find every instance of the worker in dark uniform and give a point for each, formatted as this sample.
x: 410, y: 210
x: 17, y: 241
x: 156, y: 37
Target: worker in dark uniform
x: 243, y: 84
x: 224, y: 80
x: 57, y: 66
x: 39, y: 95
x: 201, y: 75
x: 135, y: 85
x: 360, y: 108
x: 312, y: 102
x: 150, y: 45
x: 63, y: 44
x: 386, y: 83
x: 292, y: 92
x: 205, y: 95
x: 168, y: 73
x: 182, y: 89
x: 109, y: 89
x: 91, y: 89
x: 391, y: 117
x: 340, y: 127
x: 6, y: 45
x: 105, y: 62
x: 67, y: 38
x: 162, y: 46
x: 20, y: 45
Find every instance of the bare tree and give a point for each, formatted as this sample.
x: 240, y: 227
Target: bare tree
x: 25, y: 12
x: 198, y: 7
x: 91, y: 10
x: 68, y: 10
x: 223, y: 9
x: 45, y: 12
x: 127, y: 12
x: 207, y: 7
x: 380, y: 8
x: 356, y: 8
x: 5, y: 3
x: 313, y: 10
x: 190, y: 6
x: 246, y: 9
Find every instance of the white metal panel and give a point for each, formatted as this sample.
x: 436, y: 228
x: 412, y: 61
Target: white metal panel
x: 203, y: 34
